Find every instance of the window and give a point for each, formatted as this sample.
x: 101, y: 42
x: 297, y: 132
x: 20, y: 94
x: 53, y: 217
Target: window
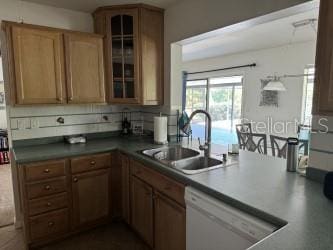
x: 308, y: 95
x: 222, y: 98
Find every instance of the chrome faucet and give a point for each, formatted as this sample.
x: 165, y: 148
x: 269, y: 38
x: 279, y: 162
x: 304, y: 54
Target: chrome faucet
x: 206, y: 147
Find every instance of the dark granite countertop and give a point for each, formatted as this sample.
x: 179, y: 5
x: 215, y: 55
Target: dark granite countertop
x: 258, y: 184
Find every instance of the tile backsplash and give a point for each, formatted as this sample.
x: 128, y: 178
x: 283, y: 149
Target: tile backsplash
x: 39, y: 122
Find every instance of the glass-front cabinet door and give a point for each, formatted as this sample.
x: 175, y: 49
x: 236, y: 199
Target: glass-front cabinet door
x: 124, y: 62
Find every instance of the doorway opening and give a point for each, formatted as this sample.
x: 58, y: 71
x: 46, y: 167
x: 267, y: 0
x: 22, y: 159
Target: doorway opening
x: 7, y: 211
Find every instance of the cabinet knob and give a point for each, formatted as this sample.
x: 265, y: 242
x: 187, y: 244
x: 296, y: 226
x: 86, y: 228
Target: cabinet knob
x: 75, y: 179
x: 50, y: 223
x: 46, y: 171
x: 71, y: 98
x: 47, y: 187
x: 48, y: 204
x: 92, y: 163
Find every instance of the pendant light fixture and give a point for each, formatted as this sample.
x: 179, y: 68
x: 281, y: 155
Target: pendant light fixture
x: 275, y: 84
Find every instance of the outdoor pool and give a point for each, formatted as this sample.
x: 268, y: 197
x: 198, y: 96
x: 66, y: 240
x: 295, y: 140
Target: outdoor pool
x: 219, y: 135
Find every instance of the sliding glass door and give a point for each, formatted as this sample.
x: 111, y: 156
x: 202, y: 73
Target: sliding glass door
x: 222, y: 98
x: 225, y: 107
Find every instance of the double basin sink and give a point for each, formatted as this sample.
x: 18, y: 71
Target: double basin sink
x: 183, y: 159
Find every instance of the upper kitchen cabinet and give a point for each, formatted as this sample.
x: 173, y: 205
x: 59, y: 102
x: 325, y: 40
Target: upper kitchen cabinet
x: 53, y: 66
x: 133, y: 53
x: 323, y: 93
x: 84, y: 68
x: 38, y: 65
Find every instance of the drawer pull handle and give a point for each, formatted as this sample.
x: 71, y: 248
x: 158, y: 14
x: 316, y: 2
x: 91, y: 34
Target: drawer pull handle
x: 48, y: 204
x: 46, y: 171
x: 47, y: 187
x: 75, y: 179
x: 50, y: 223
x: 92, y: 163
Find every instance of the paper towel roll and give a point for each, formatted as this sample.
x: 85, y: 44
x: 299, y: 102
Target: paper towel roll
x: 161, y: 129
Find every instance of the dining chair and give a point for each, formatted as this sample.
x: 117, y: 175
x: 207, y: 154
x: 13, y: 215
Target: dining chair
x: 242, y: 128
x: 279, y: 146
x: 254, y: 142
x: 304, y: 146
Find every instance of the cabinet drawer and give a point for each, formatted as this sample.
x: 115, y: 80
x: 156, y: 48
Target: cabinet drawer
x: 48, y: 224
x: 43, y: 170
x: 164, y: 184
x: 49, y: 203
x: 90, y: 162
x: 39, y: 189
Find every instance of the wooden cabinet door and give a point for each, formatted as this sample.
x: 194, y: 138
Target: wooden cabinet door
x: 84, y: 68
x: 90, y: 196
x: 151, y: 40
x: 39, y: 65
x: 170, y: 224
x: 323, y: 92
x: 125, y: 180
x: 142, y: 209
x: 123, y: 62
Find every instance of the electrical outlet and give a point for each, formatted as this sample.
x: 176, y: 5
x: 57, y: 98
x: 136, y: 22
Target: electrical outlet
x: 23, y: 123
x: 34, y: 123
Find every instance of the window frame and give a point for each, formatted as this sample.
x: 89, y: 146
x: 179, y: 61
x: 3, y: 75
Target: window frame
x: 209, y: 86
x: 306, y: 82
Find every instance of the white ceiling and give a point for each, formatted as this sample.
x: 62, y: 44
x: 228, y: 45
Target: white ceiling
x: 268, y: 35
x: 91, y: 5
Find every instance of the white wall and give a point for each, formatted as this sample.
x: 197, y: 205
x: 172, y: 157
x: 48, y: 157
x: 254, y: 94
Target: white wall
x: 3, y: 116
x: 291, y: 59
x: 1, y: 72
x: 14, y: 10
x: 188, y: 18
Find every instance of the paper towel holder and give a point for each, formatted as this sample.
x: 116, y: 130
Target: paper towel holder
x: 158, y: 138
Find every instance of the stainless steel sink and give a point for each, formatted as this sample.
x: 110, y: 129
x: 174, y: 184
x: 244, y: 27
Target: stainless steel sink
x: 197, y: 164
x: 170, y: 154
x: 183, y: 159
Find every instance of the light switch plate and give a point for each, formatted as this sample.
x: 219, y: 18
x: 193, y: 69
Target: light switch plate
x: 20, y: 124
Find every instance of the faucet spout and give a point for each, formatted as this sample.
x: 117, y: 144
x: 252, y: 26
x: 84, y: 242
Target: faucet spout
x: 208, y: 138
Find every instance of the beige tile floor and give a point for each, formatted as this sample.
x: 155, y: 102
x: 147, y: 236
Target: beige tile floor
x: 11, y: 239
x: 6, y: 196
x: 116, y: 236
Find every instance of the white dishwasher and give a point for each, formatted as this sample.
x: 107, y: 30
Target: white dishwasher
x: 214, y: 225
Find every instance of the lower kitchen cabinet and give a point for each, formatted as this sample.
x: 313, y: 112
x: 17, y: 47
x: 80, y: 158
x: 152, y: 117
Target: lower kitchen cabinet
x: 90, y: 194
x: 125, y: 182
x: 142, y: 209
x: 169, y: 224
x: 157, y: 208
x: 65, y: 196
